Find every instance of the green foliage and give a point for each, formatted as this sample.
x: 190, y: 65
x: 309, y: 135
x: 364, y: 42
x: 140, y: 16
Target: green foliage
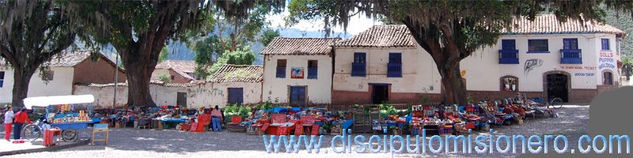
x: 163, y: 54
x: 268, y: 36
x: 625, y: 23
x: 244, y: 21
x: 164, y: 78
x: 242, y: 56
x: 207, y: 53
x: 386, y: 110
x: 470, y: 99
x: 31, y: 33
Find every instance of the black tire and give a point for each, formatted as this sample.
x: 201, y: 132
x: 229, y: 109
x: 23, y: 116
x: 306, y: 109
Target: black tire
x: 556, y: 103
x: 31, y: 132
x: 70, y: 135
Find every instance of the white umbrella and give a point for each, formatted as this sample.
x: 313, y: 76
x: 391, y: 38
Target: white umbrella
x: 57, y: 100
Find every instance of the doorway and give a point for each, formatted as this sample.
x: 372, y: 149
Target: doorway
x: 297, y: 95
x: 236, y: 96
x: 181, y: 99
x: 379, y: 93
x: 557, y: 86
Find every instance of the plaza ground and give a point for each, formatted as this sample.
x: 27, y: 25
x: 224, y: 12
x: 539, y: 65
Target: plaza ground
x: 127, y: 142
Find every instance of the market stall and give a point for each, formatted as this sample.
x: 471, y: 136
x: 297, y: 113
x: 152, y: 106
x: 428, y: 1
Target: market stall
x: 67, y: 113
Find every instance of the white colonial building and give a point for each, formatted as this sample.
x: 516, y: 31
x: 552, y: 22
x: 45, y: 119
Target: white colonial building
x: 383, y: 64
x: 298, y: 71
x: 65, y: 70
x: 572, y: 60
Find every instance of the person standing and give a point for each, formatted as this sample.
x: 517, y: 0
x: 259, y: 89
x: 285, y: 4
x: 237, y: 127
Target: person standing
x: 8, y: 122
x: 216, y: 119
x: 20, y: 119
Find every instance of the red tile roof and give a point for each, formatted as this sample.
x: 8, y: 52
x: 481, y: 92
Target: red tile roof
x: 381, y: 36
x: 549, y: 24
x: 69, y: 59
x: 181, y: 67
x: 400, y: 36
x: 300, y: 46
x: 238, y: 73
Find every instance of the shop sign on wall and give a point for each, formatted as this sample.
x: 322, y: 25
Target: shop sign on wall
x: 606, y: 61
x: 296, y: 72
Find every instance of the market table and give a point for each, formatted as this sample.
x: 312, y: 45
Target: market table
x: 171, y: 122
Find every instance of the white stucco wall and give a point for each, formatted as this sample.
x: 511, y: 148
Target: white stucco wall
x: 104, y: 95
x: 419, y: 72
x: 483, y: 71
x: 200, y: 95
x: 318, y: 90
x: 60, y: 85
x: 7, y: 86
x: 211, y: 94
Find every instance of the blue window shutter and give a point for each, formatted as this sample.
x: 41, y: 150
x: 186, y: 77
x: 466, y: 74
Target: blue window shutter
x: 358, y: 65
x: 281, y: 72
x: 394, y: 67
x: 508, y: 53
x: 508, y: 44
x: 605, y: 44
x: 312, y: 69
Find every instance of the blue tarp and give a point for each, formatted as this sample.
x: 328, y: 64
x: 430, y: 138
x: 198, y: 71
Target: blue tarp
x: 347, y: 124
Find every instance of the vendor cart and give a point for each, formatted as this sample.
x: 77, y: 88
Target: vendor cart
x: 67, y: 113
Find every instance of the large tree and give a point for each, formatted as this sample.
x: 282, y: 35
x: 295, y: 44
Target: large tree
x: 451, y: 30
x: 138, y: 30
x: 237, y: 24
x: 31, y: 32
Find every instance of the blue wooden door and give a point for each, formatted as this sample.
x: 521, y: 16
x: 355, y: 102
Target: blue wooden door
x: 236, y: 96
x: 297, y: 95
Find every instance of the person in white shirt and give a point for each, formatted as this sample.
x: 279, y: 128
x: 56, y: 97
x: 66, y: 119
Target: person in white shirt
x: 8, y: 122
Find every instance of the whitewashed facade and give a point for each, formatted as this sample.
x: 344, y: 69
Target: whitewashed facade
x: 301, y: 55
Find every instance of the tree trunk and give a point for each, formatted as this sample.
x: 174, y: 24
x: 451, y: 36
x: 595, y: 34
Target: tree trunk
x: 21, y: 80
x: 454, y: 89
x: 139, y: 70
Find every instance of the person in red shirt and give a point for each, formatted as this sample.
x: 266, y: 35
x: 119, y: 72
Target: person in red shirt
x: 20, y: 118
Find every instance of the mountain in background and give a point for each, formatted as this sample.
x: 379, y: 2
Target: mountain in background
x: 180, y: 51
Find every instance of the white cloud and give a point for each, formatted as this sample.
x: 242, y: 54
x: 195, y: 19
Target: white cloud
x: 357, y: 23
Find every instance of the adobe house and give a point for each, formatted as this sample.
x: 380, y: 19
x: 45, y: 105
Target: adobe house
x: 236, y: 84
x: 383, y: 64
x: 298, y: 71
x: 178, y: 71
x: 65, y: 70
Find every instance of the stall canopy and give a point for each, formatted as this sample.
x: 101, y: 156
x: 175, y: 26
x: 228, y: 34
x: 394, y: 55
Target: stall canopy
x: 57, y: 100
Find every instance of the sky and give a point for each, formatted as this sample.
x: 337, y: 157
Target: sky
x: 357, y: 24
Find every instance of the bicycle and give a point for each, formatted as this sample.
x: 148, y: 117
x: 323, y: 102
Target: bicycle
x: 35, y: 131
x: 556, y: 103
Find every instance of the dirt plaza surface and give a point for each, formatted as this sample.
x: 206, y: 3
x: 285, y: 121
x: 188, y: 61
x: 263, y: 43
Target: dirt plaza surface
x: 127, y: 142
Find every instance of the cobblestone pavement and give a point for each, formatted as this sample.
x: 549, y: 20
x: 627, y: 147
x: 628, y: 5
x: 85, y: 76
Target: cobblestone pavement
x: 126, y: 142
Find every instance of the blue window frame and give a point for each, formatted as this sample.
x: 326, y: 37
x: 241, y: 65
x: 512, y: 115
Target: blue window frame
x: 313, y: 68
x: 538, y: 46
x: 508, y: 53
x: 281, y: 68
x: 605, y: 44
x: 1, y: 78
x: 570, y: 54
x: 358, y: 65
x: 570, y: 43
x: 394, y: 67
